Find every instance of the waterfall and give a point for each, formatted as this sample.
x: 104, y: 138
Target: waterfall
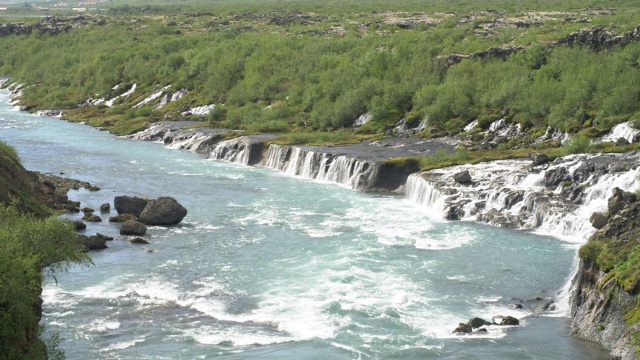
x: 234, y: 150
x: 190, y: 141
x: 349, y: 171
x: 421, y: 191
x: 624, y: 130
x: 513, y: 193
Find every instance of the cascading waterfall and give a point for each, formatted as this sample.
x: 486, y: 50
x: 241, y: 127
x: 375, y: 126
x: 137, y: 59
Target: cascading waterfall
x: 624, y: 130
x: 193, y: 141
x: 420, y: 191
x: 233, y: 150
x: 297, y: 161
x: 513, y: 194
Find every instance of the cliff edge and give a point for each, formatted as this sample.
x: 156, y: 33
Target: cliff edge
x: 605, y: 302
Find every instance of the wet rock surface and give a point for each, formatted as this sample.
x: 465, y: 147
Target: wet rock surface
x: 163, y: 211
x: 131, y: 227
x: 598, y: 302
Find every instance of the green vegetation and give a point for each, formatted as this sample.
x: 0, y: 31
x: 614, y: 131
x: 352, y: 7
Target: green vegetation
x: 10, y: 151
x: 276, y: 67
x: 619, y: 258
x: 578, y: 144
x: 317, y: 138
x: 307, y: 70
x: 28, y: 246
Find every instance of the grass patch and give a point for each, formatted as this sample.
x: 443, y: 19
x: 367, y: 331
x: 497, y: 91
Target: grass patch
x: 11, y: 151
x: 318, y: 138
x: 461, y: 157
x: 406, y: 165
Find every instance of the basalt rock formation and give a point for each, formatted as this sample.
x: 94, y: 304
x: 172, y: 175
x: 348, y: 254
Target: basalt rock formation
x: 605, y: 298
x: 53, y: 25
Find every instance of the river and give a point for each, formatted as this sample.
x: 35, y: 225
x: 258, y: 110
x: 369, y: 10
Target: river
x: 269, y: 266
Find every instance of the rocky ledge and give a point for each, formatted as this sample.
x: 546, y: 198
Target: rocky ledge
x: 605, y: 297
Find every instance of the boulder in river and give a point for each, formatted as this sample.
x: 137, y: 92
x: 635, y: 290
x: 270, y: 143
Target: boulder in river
x: 463, y: 177
x: 163, y: 211
x: 539, y: 158
x: 463, y: 329
x: 132, y: 227
x: 105, y: 208
x: 90, y: 217
x: 477, y: 322
x: 505, y: 320
x: 123, y: 217
x: 94, y: 242
x: 79, y: 225
x: 139, y: 240
x: 130, y: 205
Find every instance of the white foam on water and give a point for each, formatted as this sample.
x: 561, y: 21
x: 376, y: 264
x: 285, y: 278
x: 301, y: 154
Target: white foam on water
x: 155, y: 291
x: 237, y: 336
x: 102, y: 326
x: 122, y: 345
x: 351, y: 349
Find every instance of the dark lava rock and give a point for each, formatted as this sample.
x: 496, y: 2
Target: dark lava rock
x: 477, y: 322
x: 555, y: 177
x: 131, y: 227
x: 538, y: 158
x: 105, y: 208
x: 130, y: 205
x: 618, y: 199
x: 463, y: 329
x: 515, y: 306
x: 105, y: 237
x: 505, y: 320
x: 87, y: 210
x: 90, y: 217
x: 548, y: 306
x: 139, y: 240
x: 123, y: 218
x: 163, y: 211
x: 622, y: 142
x: 462, y: 177
x: 453, y: 213
x: 79, y: 225
x: 598, y: 220
x: 93, y: 242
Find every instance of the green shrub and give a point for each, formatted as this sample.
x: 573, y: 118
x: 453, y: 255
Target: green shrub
x: 10, y: 150
x: 219, y: 113
x: 577, y: 144
x: 27, y: 246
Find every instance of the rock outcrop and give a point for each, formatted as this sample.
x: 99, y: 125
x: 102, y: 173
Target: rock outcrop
x: 52, y: 25
x: 598, y: 39
x: 604, y: 303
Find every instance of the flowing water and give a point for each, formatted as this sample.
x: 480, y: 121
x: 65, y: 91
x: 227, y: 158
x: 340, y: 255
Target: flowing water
x: 269, y: 266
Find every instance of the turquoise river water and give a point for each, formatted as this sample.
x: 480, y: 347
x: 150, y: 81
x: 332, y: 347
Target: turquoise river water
x: 267, y: 266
